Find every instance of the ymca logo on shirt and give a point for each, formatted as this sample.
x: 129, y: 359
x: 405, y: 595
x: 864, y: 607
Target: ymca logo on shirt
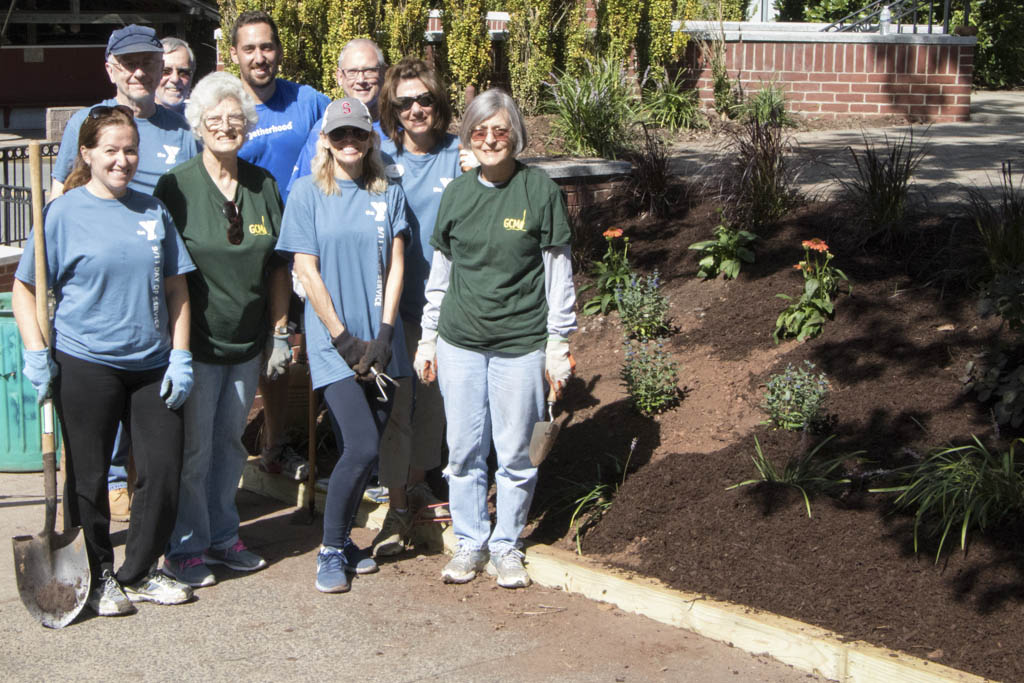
x: 444, y: 184
x: 381, y: 209
x: 148, y: 229
x: 394, y: 171
x: 171, y: 153
x: 515, y: 224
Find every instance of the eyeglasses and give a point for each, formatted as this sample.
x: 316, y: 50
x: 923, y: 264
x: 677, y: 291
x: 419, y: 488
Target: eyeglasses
x: 102, y: 111
x: 181, y: 71
x: 367, y: 73
x: 424, y: 99
x: 219, y: 122
x: 480, y: 134
x: 339, y: 134
x: 230, y: 211
x: 132, y: 65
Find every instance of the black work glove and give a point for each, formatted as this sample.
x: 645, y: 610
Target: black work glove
x: 378, y: 352
x: 351, y: 349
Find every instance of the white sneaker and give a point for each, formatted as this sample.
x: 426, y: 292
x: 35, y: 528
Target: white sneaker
x: 509, y: 569
x: 107, y: 598
x: 159, y: 588
x: 390, y: 540
x: 464, y: 566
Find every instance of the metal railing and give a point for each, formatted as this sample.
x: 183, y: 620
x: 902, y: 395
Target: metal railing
x: 16, y: 190
x: 913, y: 13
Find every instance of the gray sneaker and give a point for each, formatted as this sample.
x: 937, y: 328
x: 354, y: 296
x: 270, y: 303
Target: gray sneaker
x: 237, y: 557
x: 509, y: 569
x: 464, y: 566
x: 393, y: 532
x: 357, y: 560
x: 159, y: 588
x: 107, y: 598
x: 425, y: 504
x: 191, y: 571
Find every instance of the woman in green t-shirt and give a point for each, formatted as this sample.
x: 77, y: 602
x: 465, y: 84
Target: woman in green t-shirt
x: 228, y: 212
x: 500, y: 306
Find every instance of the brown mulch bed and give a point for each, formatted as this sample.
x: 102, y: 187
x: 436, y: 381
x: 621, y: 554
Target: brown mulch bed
x: 895, y: 355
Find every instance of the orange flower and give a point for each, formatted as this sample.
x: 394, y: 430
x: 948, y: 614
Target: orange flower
x: 799, y: 266
x: 612, y: 233
x: 815, y: 244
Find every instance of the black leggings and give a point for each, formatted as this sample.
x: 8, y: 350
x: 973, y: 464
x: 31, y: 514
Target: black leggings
x: 91, y: 399
x: 358, y: 419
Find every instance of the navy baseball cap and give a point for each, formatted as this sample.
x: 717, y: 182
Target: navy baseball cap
x: 133, y: 38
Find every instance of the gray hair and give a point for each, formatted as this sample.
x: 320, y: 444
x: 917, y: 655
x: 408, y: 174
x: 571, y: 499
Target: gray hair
x: 356, y: 42
x: 171, y: 44
x: 486, y: 105
x: 213, y: 89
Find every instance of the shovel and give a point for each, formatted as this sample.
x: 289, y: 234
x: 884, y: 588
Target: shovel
x: 544, y: 434
x: 52, y: 570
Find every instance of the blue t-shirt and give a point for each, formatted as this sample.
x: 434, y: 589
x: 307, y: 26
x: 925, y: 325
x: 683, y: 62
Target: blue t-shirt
x: 285, y: 121
x: 423, y: 177
x: 351, y: 234
x: 165, y: 140
x: 303, y: 163
x: 106, y: 260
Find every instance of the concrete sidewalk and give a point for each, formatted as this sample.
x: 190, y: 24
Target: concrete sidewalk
x: 958, y: 155
x: 402, y: 624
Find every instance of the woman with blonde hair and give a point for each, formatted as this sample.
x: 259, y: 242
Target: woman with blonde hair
x: 120, y: 348
x: 345, y: 227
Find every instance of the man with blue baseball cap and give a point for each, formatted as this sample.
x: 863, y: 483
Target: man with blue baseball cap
x: 134, y: 63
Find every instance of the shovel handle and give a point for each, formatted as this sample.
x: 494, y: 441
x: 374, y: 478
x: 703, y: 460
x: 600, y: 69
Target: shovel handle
x: 49, y: 470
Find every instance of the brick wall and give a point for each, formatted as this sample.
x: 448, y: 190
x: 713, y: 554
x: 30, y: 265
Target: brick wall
x: 9, y: 257
x: 875, y: 76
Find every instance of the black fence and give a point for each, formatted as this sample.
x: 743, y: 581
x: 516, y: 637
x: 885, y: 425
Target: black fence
x: 16, y: 190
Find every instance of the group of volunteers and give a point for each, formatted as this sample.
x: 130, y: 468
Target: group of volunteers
x: 186, y: 218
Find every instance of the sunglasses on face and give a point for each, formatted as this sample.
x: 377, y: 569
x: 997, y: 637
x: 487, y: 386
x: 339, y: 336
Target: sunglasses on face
x: 182, y: 71
x: 133, y: 65
x: 425, y: 100
x: 339, y: 134
x: 480, y: 134
x: 103, y: 111
x: 230, y: 211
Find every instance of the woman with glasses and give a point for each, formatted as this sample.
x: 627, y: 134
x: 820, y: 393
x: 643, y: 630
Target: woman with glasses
x: 120, y: 348
x: 345, y: 227
x: 415, y: 115
x: 500, y: 306
x: 228, y: 212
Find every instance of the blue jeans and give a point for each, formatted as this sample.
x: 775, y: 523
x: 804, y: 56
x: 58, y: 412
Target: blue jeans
x: 215, y: 414
x: 487, y: 393
x: 117, y: 478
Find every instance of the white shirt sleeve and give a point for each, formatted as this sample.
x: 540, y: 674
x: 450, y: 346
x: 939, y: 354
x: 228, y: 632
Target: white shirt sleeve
x: 559, y: 289
x: 437, y: 285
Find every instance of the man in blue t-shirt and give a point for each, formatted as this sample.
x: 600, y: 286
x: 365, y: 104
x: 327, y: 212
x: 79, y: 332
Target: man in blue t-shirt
x: 287, y: 111
x: 134, y: 63
x: 360, y: 71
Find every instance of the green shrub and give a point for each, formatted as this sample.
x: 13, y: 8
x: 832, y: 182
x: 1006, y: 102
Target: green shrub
x: 1000, y: 223
x: 530, y: 49
x: 726, y: 253
x: 807, y: 473
x: 467, y: 47
x: 650, y: 179
x: 961, y: 489
x: 617, y: 24
x: 764, y: 190
x: 767, y: 105
x: 580, y: 47
x: 651, y: 377
x: 805, y: 317
x: 793, y: 398
x: 668, y: 104
x: 405, y: 22
x: 593, y: 112
x: 879, y: 193
x: 598, y: 499
x: 999, y: 54
x: 642, y: 308
x: 1001, y: 383
x: 610, y: 273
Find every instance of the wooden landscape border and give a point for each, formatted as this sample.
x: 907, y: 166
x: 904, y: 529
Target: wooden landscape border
x: 802, y: 646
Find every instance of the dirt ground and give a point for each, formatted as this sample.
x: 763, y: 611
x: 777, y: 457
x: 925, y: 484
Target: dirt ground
x: 894, y: 354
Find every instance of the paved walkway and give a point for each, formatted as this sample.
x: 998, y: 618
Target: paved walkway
x: 958, y: 154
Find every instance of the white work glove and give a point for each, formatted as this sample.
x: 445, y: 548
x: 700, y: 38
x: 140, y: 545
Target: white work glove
x: 559, y: 364
x: 278, y: 354
x: 467, y: 160
x: 425, y: 362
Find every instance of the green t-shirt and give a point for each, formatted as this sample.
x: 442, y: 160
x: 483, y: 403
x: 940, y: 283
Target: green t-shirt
x: 493, y: 237
x: 228, y: 291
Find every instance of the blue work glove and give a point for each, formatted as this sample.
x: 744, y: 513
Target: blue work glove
x: 41, y: 370
x: 177, y: 382
x: 279, y: 354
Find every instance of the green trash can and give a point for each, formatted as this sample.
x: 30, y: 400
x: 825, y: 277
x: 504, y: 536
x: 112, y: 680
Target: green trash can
x: 21, y: 444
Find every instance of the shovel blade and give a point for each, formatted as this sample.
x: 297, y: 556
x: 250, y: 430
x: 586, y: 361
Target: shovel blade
x: 543, y: 438
x: 53, y: 576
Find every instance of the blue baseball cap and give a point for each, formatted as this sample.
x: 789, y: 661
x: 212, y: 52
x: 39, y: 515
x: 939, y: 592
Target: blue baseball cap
x: 133, y: 38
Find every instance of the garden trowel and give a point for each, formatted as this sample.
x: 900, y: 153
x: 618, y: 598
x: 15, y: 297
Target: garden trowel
x: 544, y: 434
